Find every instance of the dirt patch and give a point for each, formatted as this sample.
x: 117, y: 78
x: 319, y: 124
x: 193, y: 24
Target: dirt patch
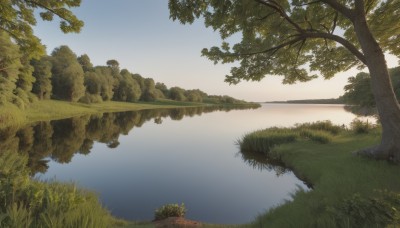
x: 176, y: 222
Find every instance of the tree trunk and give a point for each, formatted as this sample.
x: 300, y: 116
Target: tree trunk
x: 382, y: 89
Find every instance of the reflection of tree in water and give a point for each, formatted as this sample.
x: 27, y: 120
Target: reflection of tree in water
x: 60, y: 140
x: 263, y: 162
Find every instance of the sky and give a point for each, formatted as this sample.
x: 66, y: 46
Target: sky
x: 142, y: 38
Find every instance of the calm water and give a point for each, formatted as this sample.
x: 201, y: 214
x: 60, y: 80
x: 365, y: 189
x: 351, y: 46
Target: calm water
x: 138, y: 161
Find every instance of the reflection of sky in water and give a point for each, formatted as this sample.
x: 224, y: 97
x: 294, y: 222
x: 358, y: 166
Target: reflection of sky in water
x: 191, y: 161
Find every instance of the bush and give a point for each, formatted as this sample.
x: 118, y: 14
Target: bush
x: 382, y: 210
x: 170, y: 210
x: 361, y: 127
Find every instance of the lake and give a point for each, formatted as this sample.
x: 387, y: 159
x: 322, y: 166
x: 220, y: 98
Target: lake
x: 139, y: 161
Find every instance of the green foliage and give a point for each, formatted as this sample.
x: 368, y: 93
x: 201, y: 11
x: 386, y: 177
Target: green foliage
x: 67, y: 79
x: 316, y: 135
x: 263, y: 141
x: 29, y: 203
x: 127, y: 88
x: 283, y: 37
x: 10, y: 65
x: 84, y: 60
x: 42, y: 73
x: 177, y: 94
x: 361, y: 127
x: 18, y: 18
x: 321, y: 126
x: 345, y: 188
x: 170, y: 210
x: 358, y: 90
x: 149, y: 91
x: 380, y: 210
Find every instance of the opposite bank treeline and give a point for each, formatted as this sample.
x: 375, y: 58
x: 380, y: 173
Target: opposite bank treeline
x: 63, y: 75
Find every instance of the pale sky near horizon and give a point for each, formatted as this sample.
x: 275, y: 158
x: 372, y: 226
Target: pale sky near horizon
x: 142, y: 38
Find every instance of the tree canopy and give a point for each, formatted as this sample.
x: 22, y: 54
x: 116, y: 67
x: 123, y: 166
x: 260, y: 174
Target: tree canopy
x: 18, y: 17
x: 291, y: 38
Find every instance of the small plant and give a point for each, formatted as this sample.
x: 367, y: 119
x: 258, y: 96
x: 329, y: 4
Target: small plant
x: 170, y: 210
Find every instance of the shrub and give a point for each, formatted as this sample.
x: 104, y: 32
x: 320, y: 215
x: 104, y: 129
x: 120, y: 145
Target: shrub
x: 170, y: 210
x: 361, y: 127
x: 382, y: 210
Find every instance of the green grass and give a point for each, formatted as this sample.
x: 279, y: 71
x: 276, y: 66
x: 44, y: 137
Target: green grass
x: 342, y: 182
x: 25, y: 202
x: 45, y: 110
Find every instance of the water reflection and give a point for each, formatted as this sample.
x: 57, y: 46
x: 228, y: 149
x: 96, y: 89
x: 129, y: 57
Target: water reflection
x: 262, y: 162
x: 60, y: 140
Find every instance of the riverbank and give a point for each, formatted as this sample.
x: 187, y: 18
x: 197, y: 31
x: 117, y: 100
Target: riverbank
x: 348, y: 190
x: 53, y: 109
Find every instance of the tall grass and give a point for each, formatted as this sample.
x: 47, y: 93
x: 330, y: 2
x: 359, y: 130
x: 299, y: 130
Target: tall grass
x: 30, y: 203
x: 264, y: 141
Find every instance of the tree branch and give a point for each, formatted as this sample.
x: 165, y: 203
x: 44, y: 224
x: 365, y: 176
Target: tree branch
x: 48, y: 8
x: 307, y: 3
x: 272, y: 4
x: 345, y: 43
x: 340, y: 8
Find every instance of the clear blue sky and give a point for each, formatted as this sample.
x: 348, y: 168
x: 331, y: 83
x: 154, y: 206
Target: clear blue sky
x: 140, y: 35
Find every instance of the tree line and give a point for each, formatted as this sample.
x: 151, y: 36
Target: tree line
x: 65, y: 76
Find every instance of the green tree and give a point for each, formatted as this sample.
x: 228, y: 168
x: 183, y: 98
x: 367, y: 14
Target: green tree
x: 67, y: 79
x: 163, y: 88
x: 358, y: 91
x: 193, y: 96
x: 139, y: 79
x: 18, y: 17
x: 10, y: 65
x: 114, y: 66
x: 42, y: 72
x: 293, y: 38
x: 177, y: 93
x: 93, y: 83
x: 108, y: 82
x: 127, y: 89
x: 84, y: 60
x: 149, y: 91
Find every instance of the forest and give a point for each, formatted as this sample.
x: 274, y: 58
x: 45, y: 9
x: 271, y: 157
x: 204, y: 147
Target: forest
x: 63, y: 75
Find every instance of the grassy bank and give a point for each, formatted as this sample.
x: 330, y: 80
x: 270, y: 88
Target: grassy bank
x: 348, y: 191
x: 53, y: 109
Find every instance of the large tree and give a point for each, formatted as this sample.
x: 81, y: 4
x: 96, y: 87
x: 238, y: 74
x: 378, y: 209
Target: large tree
x: 295, y: 37
x: 67, y: 79
x: 18, y: 17
x: 42, y: 72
